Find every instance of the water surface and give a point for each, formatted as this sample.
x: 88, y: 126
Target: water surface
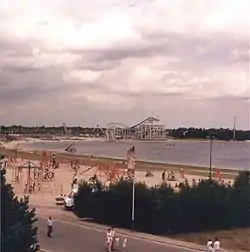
x: 235, y: 155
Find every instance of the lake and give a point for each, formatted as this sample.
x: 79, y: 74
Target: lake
x: 235, y: 155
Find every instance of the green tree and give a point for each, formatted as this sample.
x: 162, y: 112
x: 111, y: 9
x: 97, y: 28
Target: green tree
x: 18, y: 232
x: 241, y: 199
x: 209, y: 205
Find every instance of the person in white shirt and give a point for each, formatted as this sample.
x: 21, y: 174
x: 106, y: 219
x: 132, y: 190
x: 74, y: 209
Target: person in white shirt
x: 124, y: 244
x: 108, y: 234
x: 209, y: 244
x: 109, y: 240
x: 113, y: 237
x: 49, y: 227
x: 211, y: 248
x: 216, y: 244
x: 117, y: 239
x: 112, y: 231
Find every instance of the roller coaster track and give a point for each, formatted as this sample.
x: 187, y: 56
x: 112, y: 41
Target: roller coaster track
x: 110, y: 132
x: 117, y: 125
x: 149, y: 120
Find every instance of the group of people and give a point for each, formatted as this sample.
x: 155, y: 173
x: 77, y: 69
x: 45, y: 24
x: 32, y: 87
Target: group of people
x: 32, y: 188
x: 213, y: 246
x: 113, y: 240
x: 170, y: 176
x: 48, y: 174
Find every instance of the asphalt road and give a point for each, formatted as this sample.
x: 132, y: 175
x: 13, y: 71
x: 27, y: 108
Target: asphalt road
x: 77, y: 238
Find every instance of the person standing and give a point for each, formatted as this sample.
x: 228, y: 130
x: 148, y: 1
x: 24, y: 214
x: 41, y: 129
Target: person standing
x: 117, y: 240
x: 124, y: 244
x: 211, y: 248
x: 49, y: 227
x: 209, y: 244
x: 216, y: 244
x: 163, y: 177
x: 113, y: 237
x: 109, y: 240
x: 53, y: 161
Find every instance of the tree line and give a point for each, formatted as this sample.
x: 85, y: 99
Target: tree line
x: 208, y: 205
x: 201, y: 133
x: 47, y: 130
x: 179, y: 133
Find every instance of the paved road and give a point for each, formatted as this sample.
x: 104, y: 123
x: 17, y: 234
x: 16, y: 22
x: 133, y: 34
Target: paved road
x: 77, y: 238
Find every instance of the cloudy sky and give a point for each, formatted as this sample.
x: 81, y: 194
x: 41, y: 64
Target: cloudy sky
x: 99, y: 61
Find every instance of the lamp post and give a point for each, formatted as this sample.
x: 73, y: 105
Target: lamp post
x: 131, y: 170
x: 133, y: 205
x: 210, y: 156
x: 234, y: 130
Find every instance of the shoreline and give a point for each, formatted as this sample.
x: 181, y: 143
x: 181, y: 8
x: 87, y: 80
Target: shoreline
x: 169, y: 142
x: 90, y: 160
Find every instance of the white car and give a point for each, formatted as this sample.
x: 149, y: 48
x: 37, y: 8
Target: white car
x: 69, y: 200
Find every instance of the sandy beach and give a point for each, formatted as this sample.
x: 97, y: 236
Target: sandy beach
x: 61, y: 184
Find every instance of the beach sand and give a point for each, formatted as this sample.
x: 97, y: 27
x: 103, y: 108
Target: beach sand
x: 61, y: 184
x: 64, y: 174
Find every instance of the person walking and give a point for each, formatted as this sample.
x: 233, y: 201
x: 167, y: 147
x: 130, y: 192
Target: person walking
x: 109, y: 240
x: 216, y: 244
x: 211, y: 248
x: 117, y: 241
x: 209, y: 243
x: 113, y: 237
x: 124, y: 244
x: 49, y: 227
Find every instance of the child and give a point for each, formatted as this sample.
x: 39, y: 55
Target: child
x: 109, y: 240
x: 117, y: 239
x: 124, y: 244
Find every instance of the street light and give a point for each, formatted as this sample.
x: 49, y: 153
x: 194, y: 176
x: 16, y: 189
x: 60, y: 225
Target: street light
x: 133, y: 205
x: 210, y: 156
x: 131, y: 170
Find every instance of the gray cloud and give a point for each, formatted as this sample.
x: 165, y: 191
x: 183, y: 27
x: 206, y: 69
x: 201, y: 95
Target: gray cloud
x: 187, y: 78
x: 95, y: 64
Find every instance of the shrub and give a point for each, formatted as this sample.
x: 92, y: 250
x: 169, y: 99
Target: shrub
x: 206, y: 206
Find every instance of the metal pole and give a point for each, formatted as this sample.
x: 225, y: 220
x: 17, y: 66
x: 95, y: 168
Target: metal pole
x: 29, y: 176
x: 131, y: 168
x: 234, y: 130
x: 133, y: 205
x: 210, y: 157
